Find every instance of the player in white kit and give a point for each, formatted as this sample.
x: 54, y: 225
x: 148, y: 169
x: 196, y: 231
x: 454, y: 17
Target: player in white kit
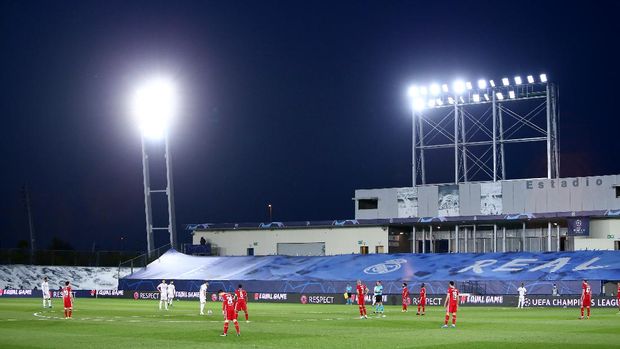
x: 45, y: 288
x: 163, y: 294
x: 203, y: 297
x: 171, y: 290
x: 522, y: 292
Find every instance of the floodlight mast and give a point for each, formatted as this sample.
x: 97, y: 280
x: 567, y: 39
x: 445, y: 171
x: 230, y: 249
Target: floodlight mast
x: 154, y: 105
x: 470, y: 131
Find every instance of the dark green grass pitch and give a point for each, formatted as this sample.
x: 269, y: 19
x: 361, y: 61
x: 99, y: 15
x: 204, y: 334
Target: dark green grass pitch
x: 107, y: 323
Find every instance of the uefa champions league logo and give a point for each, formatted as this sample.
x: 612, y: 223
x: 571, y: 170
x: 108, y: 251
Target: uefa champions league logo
x: 385, y: 267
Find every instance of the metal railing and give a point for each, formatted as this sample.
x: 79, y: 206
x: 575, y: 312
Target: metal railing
x: 66, y: 257
x: 141, y: 261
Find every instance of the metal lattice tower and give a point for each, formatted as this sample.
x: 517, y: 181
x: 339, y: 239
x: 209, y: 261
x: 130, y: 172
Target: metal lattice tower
x: 478, y: 123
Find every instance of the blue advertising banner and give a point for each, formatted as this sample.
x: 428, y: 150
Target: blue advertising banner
x: 552, y: 266
x: 579, y: 226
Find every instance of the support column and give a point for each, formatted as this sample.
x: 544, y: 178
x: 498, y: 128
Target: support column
x: 501, y: 141
x: 463, y: 149
x: 548, y: 133
x: 523, y: 238
x: 430, y: 239
x: 150, y: 244
x: 456, y: 237
x: 423, y: 240
x: 475, y: 249
x: 493, y: 106
x: 557, y: 243
x: 414, y: 164
x: 414, y: 245
x: 548, y: 236
x: 456, y: 142
x: 465, y: 240
x: 422, y: 163
x: 494, y: 237
x: 503, y: 239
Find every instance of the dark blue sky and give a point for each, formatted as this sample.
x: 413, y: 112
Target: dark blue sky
x: 293, y: 103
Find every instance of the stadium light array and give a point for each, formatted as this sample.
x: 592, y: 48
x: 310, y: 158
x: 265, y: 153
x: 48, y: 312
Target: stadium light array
x: 463, y: 91
x: 413, y: 91
x: 459, y: 87
x: 154, y: 105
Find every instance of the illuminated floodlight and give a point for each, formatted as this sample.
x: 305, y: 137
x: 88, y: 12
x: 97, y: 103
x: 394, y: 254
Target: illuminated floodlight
x: 468, y: 85
x: 511, y: 94
x: 418, y: 103
x: 458, y: 87
x: 444, y: 87
x: 413, y: 91
x: 439, y: 101
x: 154, y: 105
x: 486, y: 96
x: 435, y: 89
x: 492, y: 83
x: 450, y: 100
x: 476, y: 97
x: 543, y: 77
x: 530, y: 79
x: 423, y: 91
x: 518, y: 80
x: 499, y: 96
x: 505, y: 82
x: 431, y: 103
x: 482, y: 84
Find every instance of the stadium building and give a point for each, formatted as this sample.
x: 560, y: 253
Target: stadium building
x: 531, y: 215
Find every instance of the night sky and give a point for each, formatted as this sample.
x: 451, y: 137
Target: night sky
x: 293, y: 103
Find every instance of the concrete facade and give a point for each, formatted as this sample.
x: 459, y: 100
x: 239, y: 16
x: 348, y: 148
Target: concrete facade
x: 515, y: 197
x: 338, y: 240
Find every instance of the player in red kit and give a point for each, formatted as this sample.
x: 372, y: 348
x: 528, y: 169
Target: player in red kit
x: 228, y: 309
x: 618, y: 296
x: 67, y: 298
x: 405, y: 295
x: 451, y: 304
x: 362, y: 290
x: 586, y: 298
x: 242, y: 302
x: 422, y: 301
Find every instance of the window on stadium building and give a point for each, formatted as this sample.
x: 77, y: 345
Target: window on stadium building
x: 618, y: 191
x: 368, y: 204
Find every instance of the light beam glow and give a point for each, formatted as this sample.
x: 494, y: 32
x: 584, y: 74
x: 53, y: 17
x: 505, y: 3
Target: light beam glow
x: 154, y: 105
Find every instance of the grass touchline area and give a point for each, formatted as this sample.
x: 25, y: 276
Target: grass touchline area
x: 126, y: 323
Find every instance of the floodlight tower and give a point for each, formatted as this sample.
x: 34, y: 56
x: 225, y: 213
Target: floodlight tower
x: 154, y: 105
x: 480, y: 119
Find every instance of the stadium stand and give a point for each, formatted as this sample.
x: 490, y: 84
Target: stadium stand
x: 488, y: 273
x: 19, y: 276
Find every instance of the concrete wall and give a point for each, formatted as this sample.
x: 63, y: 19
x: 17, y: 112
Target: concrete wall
x: 338, y: 240
x: 593, y: 244
x: 518, y: 196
